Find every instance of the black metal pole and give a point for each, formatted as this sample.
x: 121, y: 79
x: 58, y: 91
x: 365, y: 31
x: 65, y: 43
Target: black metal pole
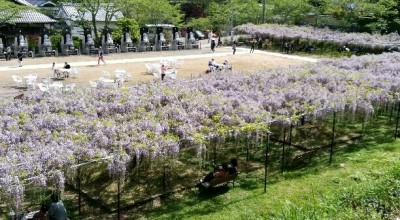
x: 164, y: 179
x: 266, y: 163
x: 363, y: 126
x: 333, y: 137
x: 283, y: 149
x: 247, y: 148
x: 290, y: 136
x: 79, y: 192
x: 118, y: 198
x: 215, y: 150
x: 397, y: 120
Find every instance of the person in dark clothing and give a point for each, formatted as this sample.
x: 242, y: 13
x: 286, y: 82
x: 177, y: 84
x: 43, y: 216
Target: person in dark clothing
x: 222, y: 171
x: 219, y: 42
x: 260, y: 43
x: 234, y: 47
x: 67, y: 66
x: 253, y: 44
x: 20, y: 55
x: 212, y: 44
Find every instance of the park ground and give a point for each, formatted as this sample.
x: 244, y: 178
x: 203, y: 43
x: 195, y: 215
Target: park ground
x: 194, y: 64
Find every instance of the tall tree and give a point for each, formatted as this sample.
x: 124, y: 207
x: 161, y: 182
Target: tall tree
x: 8, y: 11
x: 92, y: 8
x: 153, y: 12
x: 287, y: 11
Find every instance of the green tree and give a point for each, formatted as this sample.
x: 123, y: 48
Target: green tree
x: 9, y: 10
x: 129, y: 23
x: 92, y: 7
x: 287, y: 11
x: 153, y: 12
x: 227, y: 14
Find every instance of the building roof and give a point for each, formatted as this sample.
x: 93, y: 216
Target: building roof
x: 70, y: 11
x: 32, y: 17
x: 42, y: 3
x: 23, y: 2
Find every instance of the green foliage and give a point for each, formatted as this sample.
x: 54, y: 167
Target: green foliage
x: 77, y: 41
x: 131, y: 24
x: 33, y: 41
x: 287, y: 11
x: 153, y: 12
x: 56, y: 41
x: 200, y: 23
x: 9, y: 10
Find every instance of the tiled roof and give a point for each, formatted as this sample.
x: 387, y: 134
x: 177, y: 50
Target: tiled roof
x: 40, y: 3
x: 32, y: 17
x: 72, y: 13
x: 24, y: 2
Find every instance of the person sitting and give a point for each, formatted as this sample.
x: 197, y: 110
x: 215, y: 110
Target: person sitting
x: 211, y: 65
x: 232, y: 168
x: 57, y: 210
x: 221, y: 172
x: 67, y: 66
x: 41, y: 215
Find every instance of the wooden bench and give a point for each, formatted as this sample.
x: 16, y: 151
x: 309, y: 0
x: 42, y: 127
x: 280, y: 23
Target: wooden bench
x: 221, y: 181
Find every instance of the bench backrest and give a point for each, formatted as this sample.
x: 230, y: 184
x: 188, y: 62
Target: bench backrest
x: 218, y: 181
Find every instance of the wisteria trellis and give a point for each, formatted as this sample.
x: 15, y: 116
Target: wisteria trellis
x: 318, y: 34
x: 43, y: 135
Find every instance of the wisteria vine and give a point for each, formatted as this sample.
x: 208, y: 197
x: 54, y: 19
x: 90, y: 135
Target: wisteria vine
x: 318, y: 34
x: 43, y: 135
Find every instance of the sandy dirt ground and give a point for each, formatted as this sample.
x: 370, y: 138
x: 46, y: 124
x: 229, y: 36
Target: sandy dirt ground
x: 194, y: 64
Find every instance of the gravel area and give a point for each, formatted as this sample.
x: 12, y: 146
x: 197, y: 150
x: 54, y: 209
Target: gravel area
x: 194, y: 64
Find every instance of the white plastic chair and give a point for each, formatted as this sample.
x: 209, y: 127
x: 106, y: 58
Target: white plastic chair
x: 178, y: 64
x: 17, y: 79
x: 173, y: 73
x: 93, y: 84
x: 43, y: 87
x: 31, y: 81
x: 70, y: 87
x: 149, y: 68
x: 106, y: 74
x: 76, y: 72
x: 128, y: 77
x: 56, y: 87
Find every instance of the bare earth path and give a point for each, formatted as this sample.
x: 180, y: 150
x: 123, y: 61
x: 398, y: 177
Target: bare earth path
x: 195, y: 63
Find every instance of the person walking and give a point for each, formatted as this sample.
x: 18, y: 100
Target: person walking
x: 163, y: 70
x: 234, y: 47
x: 100, y: 56
x: 253, y: 44
x: 20, y: 55
x: 212, y: 43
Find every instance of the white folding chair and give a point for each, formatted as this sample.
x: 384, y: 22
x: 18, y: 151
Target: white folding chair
x: 178, y: 64
x: 70, y: 87
x: 17, y: 79
x: 172, y: 74
x: 31, y: 81
x: 93, y: 84
x: 106, y: 74
x: 43, y: 87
